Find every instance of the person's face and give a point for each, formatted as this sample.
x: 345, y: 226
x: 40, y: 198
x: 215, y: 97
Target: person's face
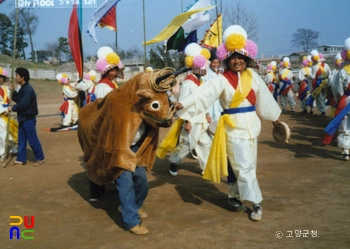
x: 2, y: 80
x: 19, y: 79
x: 112, y: 74
x: 237, y: 63
x: 215, y: 64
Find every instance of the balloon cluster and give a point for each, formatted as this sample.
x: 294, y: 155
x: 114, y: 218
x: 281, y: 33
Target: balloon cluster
x: 235, y: 40
x: 91, y: 75
x: 196, y: 56
x: 107, y: 59
x: 3, y: 72
x: 62, y: 78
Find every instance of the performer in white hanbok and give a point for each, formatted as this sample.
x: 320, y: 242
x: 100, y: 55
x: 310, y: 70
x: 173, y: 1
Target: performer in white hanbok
x: 285, y: 91
x: 88, y: 86
x: 245, y: 98
x: 319, y: 76
x: 214, y: 111
x: 69, y: 109
x: 271, y: 79
x: 304, y: 85
x: 341, y: 120
x: 111, y: 68
x: 194, y: 129
x: 13, y: 129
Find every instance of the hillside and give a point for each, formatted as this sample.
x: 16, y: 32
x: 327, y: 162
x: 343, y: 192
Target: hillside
x: 6, y: 60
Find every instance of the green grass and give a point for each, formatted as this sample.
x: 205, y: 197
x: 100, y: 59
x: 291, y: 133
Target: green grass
x: 7, y: 60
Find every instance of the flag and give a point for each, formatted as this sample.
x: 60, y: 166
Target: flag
x: 178, y: 41
x: 213, y: 36
x: 197, y: 20
x: 103, y: 14
x: 109, y: 20
x: 175, y: 24
x: 75, y: 41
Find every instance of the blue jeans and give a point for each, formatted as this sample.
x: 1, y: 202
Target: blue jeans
x: 133, y: 190
x: 27, y: 132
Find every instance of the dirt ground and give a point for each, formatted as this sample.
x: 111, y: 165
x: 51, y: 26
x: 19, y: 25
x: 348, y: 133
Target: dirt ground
x: 304, y: 185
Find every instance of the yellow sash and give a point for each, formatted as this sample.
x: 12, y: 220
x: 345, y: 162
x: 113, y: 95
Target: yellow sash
x: 5, y: 95
x: 170, y: 140
x: 285, y: 73
x: 347, y: 68
x: 323, y: 83
x: 13, y: 129
x: 217, y: 160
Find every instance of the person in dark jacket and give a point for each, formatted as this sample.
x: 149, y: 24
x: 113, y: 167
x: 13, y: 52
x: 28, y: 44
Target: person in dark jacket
x: 27, y: 108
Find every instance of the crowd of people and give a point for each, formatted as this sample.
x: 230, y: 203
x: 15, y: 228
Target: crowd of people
x: 220, y: 105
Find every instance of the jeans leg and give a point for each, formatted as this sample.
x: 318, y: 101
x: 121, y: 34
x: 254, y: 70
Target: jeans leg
x: 126, y: 189
x: 22, y: 144
x: 141, y: 186
x: 33, y: 139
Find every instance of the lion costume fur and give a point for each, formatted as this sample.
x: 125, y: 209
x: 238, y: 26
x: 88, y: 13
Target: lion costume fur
x: 108, y: 126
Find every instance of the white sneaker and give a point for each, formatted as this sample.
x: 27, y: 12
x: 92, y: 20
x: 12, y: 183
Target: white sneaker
x: 344, y: 156
x: 257, y: 212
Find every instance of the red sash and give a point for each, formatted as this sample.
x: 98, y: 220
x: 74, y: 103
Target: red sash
x: 233, y: 80
x: 2, y: 93
x: 64, y: 107
x: 318, y: 73
x: 194, y: 79
x: 107, y: 82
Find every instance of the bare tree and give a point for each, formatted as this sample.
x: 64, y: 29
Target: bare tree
x: 28, y: 20
x: 305, y: 39
x: 239, y: 15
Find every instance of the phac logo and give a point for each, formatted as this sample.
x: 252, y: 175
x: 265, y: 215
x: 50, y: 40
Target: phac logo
x: 28, y: 233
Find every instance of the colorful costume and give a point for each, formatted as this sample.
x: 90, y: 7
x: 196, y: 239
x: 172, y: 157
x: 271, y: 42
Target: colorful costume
x: 244, y: 97
x: 341, y: 120
x: 4, y: 103
x: 88, y: 86
x: 319, y: 75
x: 271, y: 80
x: 69, y: 109
x: 305, y: 86
x: 285, y: 91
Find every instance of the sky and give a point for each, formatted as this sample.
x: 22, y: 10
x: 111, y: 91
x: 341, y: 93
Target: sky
x: 278, y: 20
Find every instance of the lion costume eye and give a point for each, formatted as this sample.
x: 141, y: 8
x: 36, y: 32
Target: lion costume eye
x: 155, y: 105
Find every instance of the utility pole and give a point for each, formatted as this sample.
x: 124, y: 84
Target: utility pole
x: 144, y: 36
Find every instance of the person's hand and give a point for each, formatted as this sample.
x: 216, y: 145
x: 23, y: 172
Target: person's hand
x: 188, y: 126
x: 178, y: 106
x: 9, y: 108
x: 209, y: 119
x: 276, y: 122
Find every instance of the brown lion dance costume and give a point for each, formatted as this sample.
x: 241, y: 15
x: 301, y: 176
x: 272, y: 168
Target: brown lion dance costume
x: 107, y: 128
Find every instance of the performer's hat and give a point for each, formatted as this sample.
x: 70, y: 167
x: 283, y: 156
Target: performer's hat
x: 196, y: 58
x: 315, y: 57
x: 338, y: 60
x: 149, y: 69
x: 345, y: 53
x: 3, y: 73
x: 235, y: 41
x: 62, y: 78
x: 107, y: 59
x: 272, y: 66
x: 285, y: 62
x: 91, y: 75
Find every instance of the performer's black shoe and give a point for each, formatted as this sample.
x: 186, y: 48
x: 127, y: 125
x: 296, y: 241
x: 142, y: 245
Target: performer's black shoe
x: 323, y: 114
x: 96, y: 191
x: 311, y: 112
x: 236, y: 205
x: 304, y: 112
x: 173, y: 169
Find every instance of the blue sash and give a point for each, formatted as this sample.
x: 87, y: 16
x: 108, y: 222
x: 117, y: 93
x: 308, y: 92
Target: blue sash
x: 238, y: 110
x: 334, y: 124
x: 286, y: 83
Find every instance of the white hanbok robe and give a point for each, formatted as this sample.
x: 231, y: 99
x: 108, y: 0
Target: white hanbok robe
x: 241, y: 141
